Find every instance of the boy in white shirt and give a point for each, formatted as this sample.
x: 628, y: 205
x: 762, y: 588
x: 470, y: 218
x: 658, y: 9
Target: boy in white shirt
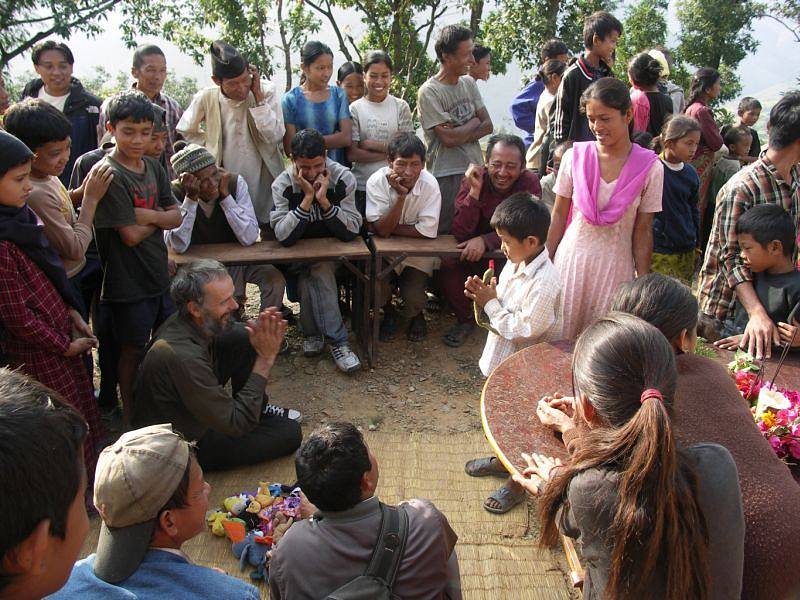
x: 404, y: 199
x: 523, y: 306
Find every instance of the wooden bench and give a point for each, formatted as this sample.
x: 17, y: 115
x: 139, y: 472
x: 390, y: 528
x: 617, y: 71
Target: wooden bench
x: 394, y: 250
x: 349, y: 254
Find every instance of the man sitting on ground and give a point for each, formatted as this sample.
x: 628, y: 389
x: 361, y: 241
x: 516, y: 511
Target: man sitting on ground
x: 482, y: 190
x: 194, y: 355
x: 41, y: 459
x: 339, y: 474
x: 403, y: 199
x: 151, y: 495
x: 315, y: 198
x: 217, y: 209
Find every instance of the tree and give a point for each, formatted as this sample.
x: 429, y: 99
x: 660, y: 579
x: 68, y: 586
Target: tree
x: 292, y: 31
x: 716, y: 34
x: 517, y: 29
x: 785, y: 12
x: 645, y: 27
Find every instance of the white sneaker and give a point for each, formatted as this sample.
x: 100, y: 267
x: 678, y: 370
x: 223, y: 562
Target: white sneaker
x: 286, y: 413
x: 345, y: 358
x: 313, y: 345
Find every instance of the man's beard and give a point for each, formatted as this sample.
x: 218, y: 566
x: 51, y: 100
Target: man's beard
x: 213, y: 327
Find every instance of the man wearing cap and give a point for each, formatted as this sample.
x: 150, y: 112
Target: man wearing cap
x: 195, y: 354
x: 217, y: 209
x: 150, y: 492
x: 240, y: 121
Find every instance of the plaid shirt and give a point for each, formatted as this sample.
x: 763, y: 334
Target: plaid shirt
x: 723, y: 268
x: 174, y: 114
x: 36, y: 333
x: 527, y: 310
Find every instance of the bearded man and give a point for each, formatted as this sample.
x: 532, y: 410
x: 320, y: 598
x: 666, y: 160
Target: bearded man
x: 195, y: 353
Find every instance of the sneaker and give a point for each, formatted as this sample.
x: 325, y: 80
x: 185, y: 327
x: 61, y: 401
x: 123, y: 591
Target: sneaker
x: 345, y: 358
x: 278, y: 411
x: 313, y: 345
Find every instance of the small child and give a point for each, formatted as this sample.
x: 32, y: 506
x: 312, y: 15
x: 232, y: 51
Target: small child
x: 738, y: 140
x: 40, y: 457
x: 749, y: 111
x: 766, y: 237
x: 523, y: 306
x: 548, y: 182
x: 129, y: 227
x: 677, y: 227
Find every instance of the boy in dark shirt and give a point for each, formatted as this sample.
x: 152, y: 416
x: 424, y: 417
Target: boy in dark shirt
x: 749, y: 111
x: 766, y: 236
x: 601, y: 31
x: 129, y: 228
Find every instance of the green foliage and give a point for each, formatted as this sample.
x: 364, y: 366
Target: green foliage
x: 517, y: 29
x: 645, y: 27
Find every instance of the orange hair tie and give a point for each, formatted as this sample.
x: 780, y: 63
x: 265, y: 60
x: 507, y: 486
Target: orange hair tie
x: 651, y: 393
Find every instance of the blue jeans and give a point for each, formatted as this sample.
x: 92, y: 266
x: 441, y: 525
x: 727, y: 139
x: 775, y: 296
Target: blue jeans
x: 319, y: 303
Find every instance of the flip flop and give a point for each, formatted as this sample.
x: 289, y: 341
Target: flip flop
x: 484, y: 467
x: 507, y: 500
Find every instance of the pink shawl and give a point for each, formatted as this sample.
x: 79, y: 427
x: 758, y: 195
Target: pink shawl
x: 586, y: 182
x: 641, y: 109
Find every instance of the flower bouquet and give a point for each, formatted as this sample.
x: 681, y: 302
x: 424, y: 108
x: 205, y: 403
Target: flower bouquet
x: 776, y: 410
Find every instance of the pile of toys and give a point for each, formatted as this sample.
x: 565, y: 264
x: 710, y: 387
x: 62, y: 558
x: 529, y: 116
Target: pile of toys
x: 255, y: 523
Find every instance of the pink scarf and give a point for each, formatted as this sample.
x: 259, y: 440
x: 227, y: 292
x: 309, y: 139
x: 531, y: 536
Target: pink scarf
x: 586, y: 182
x: 641, y: 109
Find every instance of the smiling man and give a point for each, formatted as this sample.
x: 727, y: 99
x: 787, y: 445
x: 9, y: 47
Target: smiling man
x: 453, y: 116
x: 55, y: 85
x: 149, y: 70
x: 195, y: 354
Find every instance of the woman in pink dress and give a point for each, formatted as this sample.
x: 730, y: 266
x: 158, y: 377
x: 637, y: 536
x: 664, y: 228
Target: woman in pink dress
x: 607, y: 191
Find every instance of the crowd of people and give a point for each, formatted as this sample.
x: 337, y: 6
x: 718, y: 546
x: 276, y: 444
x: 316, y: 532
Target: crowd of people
x: 622, y: 199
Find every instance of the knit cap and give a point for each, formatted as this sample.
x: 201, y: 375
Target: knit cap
x: 191, y: 158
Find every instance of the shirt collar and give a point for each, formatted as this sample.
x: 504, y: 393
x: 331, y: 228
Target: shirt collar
x: 359, y: 511
x: 157, y: 99
x: 794, y: 173
x: 530, y: 269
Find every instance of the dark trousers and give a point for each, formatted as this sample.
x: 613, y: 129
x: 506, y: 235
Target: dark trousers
x: 452, y: 275
x: 273, y: 437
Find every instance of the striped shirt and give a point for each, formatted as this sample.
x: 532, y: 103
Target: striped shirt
x: 174, y: 113
x: 723, y: 268
x: 527, y: 310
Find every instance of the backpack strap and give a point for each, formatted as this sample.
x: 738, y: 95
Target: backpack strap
x: 391, y: 544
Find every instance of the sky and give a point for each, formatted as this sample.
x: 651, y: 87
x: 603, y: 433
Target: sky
x: 772, y: 69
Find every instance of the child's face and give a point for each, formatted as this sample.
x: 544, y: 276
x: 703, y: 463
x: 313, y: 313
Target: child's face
x: 756, y: 257
x: 683, y: 149
x: 608, y: 125
x: 51, y: 158
x: 320, y: 71
x: 605, y: 48
x: 742, y: 145
x: 132, y: 139
x: 482, y: 68
x: 517, y: 250
x: 378, y: 79
x: 750, y: 117
x: 353, y: 86
x: 158, y: 141
x: 15, y: 185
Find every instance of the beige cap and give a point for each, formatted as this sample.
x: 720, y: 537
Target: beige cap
x: 135, y: 478
x: 662, y: 60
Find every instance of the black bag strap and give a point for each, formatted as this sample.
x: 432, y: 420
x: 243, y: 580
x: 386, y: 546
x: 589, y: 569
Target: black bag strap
x: 391, y: 544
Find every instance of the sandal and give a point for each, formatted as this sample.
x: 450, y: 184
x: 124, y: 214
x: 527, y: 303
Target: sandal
x: 458, y: 334
x: 417, y: 329
x: 506, y: 499
x: 484, y: 467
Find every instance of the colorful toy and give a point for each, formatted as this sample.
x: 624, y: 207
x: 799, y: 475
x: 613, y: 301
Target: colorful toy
x: 215, y: 519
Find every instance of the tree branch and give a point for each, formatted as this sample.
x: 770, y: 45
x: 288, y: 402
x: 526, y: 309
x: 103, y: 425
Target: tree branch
x: 329, y: 15
x: 794, y: 32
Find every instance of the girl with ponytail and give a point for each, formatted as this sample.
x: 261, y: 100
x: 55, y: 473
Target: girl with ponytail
x: 653, y: 520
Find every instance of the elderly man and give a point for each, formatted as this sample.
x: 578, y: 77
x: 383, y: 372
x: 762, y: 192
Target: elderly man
x: 149, y: 71
x: 217, y: 209
x: 339, y: 475
x: 482, y: 190
x: 195, y: 353
x: 240, y: 121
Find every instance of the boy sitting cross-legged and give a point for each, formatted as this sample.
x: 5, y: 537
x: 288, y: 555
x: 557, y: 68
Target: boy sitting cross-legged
x: 403, y: 199
x: 766, y: 237
x: 129, y: 225
x: 523, y: 306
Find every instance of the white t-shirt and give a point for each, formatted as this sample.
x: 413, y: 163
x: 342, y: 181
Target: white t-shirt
x: 421, y: 209
x: 57, y: 101
x: 377, y: 121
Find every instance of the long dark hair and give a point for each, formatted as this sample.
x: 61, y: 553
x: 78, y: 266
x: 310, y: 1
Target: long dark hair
x: 550, y: 68
x: 310, y: 52
x: 702, y: 80
x: 657, y: 522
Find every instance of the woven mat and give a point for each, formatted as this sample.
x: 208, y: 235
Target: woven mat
x: 498, y: 554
